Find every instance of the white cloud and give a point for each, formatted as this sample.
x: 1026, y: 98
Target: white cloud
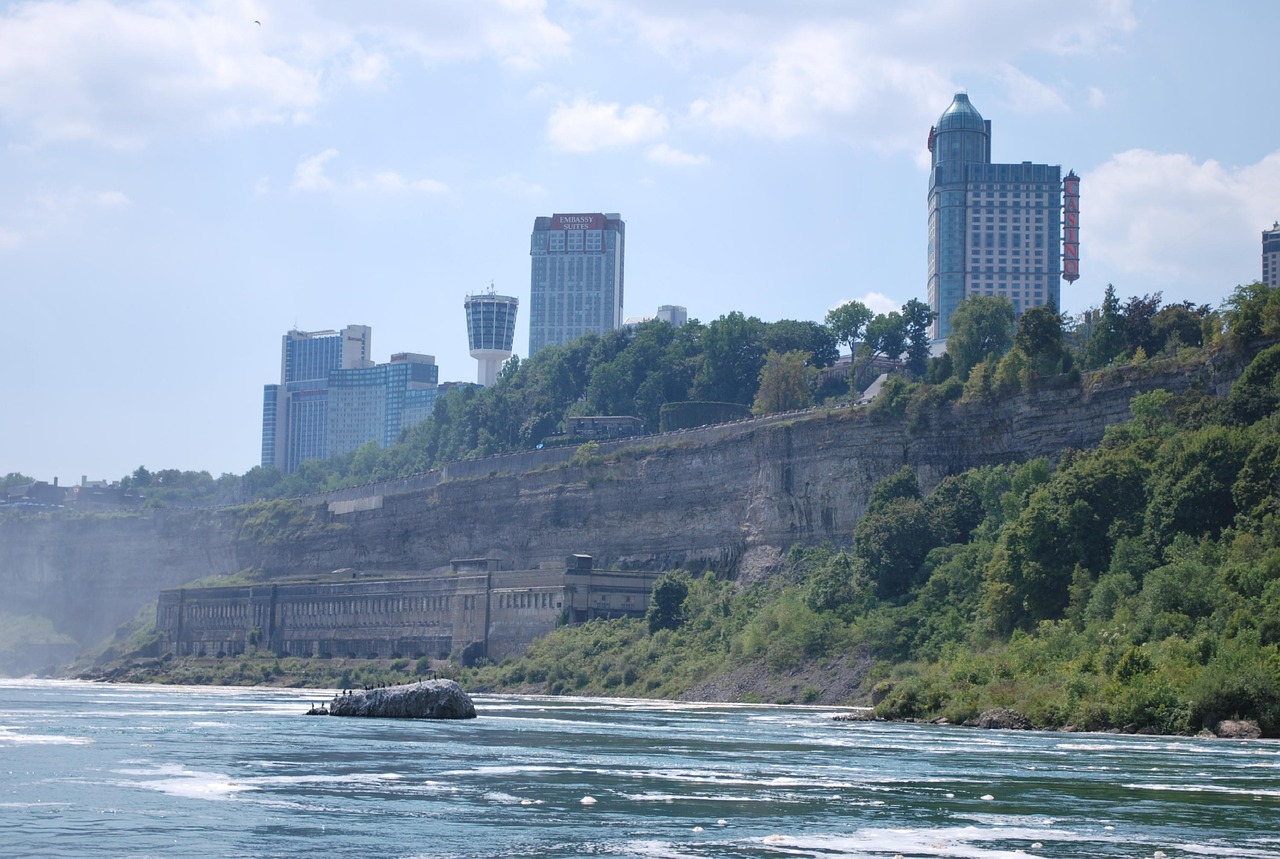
x: 119, y: 73
x: 661, y: 153
x: 368, y: 68
x: 877, y: 302
x: 1026, y: 94
x: 870, y: 74
x: 880, y: 303
x: 517, y: 33
x: 1166, y: 216
x: 586, y: 126
x: 1097, y: 99
x: 309, y: 175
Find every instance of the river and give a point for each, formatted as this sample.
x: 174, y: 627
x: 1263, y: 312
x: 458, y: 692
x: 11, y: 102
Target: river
x: 96, y: 770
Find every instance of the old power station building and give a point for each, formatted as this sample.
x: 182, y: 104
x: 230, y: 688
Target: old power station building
x: 474, y: 610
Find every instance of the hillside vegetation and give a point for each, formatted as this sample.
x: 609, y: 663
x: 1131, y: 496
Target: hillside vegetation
x: 1135, y: 585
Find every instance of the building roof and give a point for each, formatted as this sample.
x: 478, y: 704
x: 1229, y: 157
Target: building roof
x: 961, y: 116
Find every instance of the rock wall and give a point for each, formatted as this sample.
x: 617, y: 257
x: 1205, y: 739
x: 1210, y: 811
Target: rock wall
x: 732, y: 498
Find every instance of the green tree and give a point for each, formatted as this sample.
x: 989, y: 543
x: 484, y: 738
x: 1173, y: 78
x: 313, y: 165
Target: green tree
x: 1251, y: 313
x: 917, y: 317
x: 1179, y: 325
x: 666, y: 604
x: 785, y: 383
x: 1256, y: 393
x: 732, y: 357
x: 1138, y: 314
x: 902, y: 484
x: 1106, y: 340
x: 981, y: 326
x: 848, y: 322
x: 886, y: 335
x: 816, y: 341
x: 1039, y: 338
x: 892, y: 543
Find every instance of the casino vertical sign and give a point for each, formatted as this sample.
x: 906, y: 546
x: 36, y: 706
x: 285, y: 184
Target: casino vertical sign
x: 1071, y: 227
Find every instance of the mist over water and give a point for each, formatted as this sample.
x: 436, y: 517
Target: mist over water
x: 133, y: 771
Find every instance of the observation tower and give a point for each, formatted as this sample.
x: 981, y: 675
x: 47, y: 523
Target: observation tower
x: 491, y: 329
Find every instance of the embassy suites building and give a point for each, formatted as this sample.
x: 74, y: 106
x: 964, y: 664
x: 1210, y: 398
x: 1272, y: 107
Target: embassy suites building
x: 995, y: 229
x: 576, y: 279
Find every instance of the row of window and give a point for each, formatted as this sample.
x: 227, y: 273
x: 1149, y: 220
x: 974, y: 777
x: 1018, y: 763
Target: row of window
x: 526, y: 600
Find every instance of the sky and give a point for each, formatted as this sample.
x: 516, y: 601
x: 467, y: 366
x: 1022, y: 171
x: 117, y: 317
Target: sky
x: 184, y: 182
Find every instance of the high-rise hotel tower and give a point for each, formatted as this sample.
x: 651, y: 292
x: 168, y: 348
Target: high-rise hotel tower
x: 576, y: 283
x: 995, y: 229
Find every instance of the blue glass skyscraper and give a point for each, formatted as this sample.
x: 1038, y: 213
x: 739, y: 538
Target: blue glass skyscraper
x: 994, y: 229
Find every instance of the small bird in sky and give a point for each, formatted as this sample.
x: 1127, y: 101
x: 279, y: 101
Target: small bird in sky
x: 259, y: 23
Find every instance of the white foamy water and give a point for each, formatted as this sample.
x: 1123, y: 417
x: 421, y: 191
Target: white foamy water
x: 119, y: 771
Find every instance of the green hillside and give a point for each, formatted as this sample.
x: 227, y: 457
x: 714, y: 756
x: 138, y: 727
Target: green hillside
x: 1135, y: 585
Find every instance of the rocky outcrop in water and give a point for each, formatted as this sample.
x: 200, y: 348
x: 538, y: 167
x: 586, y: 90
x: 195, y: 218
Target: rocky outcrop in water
x: 429, y: 699
x: 1237, y: 729
x: 1002, y: 719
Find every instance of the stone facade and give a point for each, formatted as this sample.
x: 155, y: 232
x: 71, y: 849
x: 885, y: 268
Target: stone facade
x: 473, y: 610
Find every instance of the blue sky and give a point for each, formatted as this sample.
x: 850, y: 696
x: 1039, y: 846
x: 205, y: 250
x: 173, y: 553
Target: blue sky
x: 183, y: 185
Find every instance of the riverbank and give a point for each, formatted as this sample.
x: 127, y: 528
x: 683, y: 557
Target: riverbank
x: 835, y: 683
x: 267, y: 670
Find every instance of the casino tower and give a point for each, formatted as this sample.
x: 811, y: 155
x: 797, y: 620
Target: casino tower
x: 995, y: 229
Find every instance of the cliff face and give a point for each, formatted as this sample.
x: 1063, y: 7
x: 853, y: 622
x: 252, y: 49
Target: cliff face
x: 90, y: 574
x: 733, y: 498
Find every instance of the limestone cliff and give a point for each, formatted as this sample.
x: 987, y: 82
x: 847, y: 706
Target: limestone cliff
x: 730, y: 497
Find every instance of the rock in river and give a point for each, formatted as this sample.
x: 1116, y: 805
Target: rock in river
x: 429, y: 699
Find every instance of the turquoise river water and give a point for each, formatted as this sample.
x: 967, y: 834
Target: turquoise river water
x: 93, y: 770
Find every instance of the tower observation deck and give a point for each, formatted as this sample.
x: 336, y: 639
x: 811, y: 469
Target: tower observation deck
x: 491, y: 329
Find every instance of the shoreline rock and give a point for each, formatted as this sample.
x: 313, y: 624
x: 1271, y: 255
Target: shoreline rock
x: 1237, y: 729
x: 1003, y: 719
x: 427, y: 699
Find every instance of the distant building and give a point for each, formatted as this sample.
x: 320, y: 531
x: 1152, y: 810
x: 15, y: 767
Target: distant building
x: 376, y: 403
x: 491, y: 331
x: 295, y: 411
x: 332, y: 397
x: 670, y: 313
x: 576, y: 282
x: 673, y: 313
x: 994, y: 229
x: 35, y: 494
x: 1271, y: 256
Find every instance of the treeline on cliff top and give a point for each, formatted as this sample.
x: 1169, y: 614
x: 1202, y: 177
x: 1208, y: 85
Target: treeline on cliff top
x: 736, y: 359
x: 769, y: 367
x: 1135, y: 585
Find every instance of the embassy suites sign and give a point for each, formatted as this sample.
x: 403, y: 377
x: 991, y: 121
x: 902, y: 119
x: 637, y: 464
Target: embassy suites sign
x: 577, y: 222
